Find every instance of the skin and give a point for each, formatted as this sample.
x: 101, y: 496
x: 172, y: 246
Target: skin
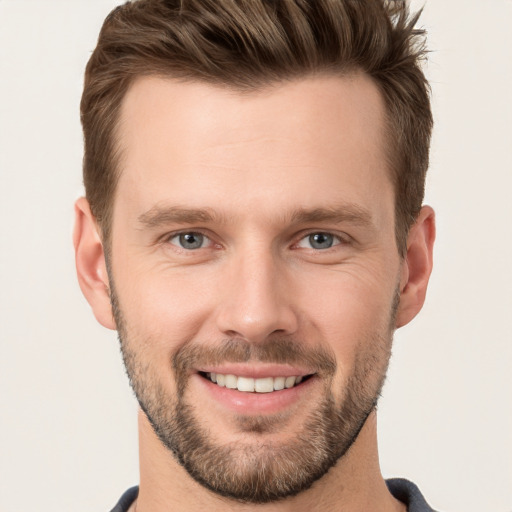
x: 253, y: 160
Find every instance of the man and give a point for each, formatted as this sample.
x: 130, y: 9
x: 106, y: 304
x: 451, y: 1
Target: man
x: 253, y: 228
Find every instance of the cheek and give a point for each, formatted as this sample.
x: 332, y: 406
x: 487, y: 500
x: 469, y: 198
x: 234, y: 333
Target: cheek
x: 349, y: 314
x: 350, y: 300
x: 163, y: 308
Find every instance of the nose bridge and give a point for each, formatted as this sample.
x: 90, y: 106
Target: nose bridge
x: 256, y: 301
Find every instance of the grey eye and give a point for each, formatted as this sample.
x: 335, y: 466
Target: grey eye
x: 189, y: 241
x: 319, y: 241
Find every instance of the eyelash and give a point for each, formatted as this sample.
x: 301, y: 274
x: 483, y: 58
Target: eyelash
x: 167, y: 239
x: 340, y: 239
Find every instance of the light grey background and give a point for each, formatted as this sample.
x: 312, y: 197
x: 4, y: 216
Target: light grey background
x: 67, y: 417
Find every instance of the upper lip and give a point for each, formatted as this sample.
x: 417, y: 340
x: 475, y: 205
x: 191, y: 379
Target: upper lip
x: 256, y: 370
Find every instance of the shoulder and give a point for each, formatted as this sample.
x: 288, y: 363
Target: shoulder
x: 126, y: 500
x: 408, y: 493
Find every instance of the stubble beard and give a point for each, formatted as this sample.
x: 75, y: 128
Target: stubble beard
x: 261, y: 470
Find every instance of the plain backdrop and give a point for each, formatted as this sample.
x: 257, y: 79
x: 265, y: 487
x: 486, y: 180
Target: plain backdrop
x: 68, y: 437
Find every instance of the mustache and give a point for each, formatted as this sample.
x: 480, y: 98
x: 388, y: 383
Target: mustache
x: 277, y: 350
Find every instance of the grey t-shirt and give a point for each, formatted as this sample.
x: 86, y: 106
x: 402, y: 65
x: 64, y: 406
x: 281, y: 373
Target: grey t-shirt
x: 401, y: 489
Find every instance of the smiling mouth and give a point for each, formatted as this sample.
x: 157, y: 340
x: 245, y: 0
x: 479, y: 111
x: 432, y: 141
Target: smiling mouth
x: 251, y: 385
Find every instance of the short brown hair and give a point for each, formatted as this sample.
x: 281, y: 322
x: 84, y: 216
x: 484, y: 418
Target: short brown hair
x: 247, y: 44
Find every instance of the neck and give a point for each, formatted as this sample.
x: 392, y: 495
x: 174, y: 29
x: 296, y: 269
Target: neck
x: 355, y: 484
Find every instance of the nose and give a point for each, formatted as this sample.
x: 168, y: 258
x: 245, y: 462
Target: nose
x: 256, y: 299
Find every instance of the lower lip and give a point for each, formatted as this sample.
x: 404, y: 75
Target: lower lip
x: 256, y: 403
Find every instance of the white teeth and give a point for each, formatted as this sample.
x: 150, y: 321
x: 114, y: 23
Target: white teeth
x: 245, y: 384
x: 279, y: 383
x: 250, y: 385
x: 289, y: 382
x: 231, y: 381
x: 265, y: 385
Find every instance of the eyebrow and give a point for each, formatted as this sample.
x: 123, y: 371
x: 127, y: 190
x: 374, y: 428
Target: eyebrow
x: 160, y: 216
x: 346, y: 213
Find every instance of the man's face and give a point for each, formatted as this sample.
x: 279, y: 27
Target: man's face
x: 253, y: 242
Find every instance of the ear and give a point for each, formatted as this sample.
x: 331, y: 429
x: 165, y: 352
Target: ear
x: 90, y: 264
x: 417, y: 266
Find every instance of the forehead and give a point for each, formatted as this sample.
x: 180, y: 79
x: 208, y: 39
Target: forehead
x: 320, y: 138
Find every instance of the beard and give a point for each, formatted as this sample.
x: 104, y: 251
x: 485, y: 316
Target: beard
x: 260, y: 470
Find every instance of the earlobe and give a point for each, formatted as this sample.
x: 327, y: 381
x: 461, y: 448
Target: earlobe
x: 90, y: 264
x: 417, y: 266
